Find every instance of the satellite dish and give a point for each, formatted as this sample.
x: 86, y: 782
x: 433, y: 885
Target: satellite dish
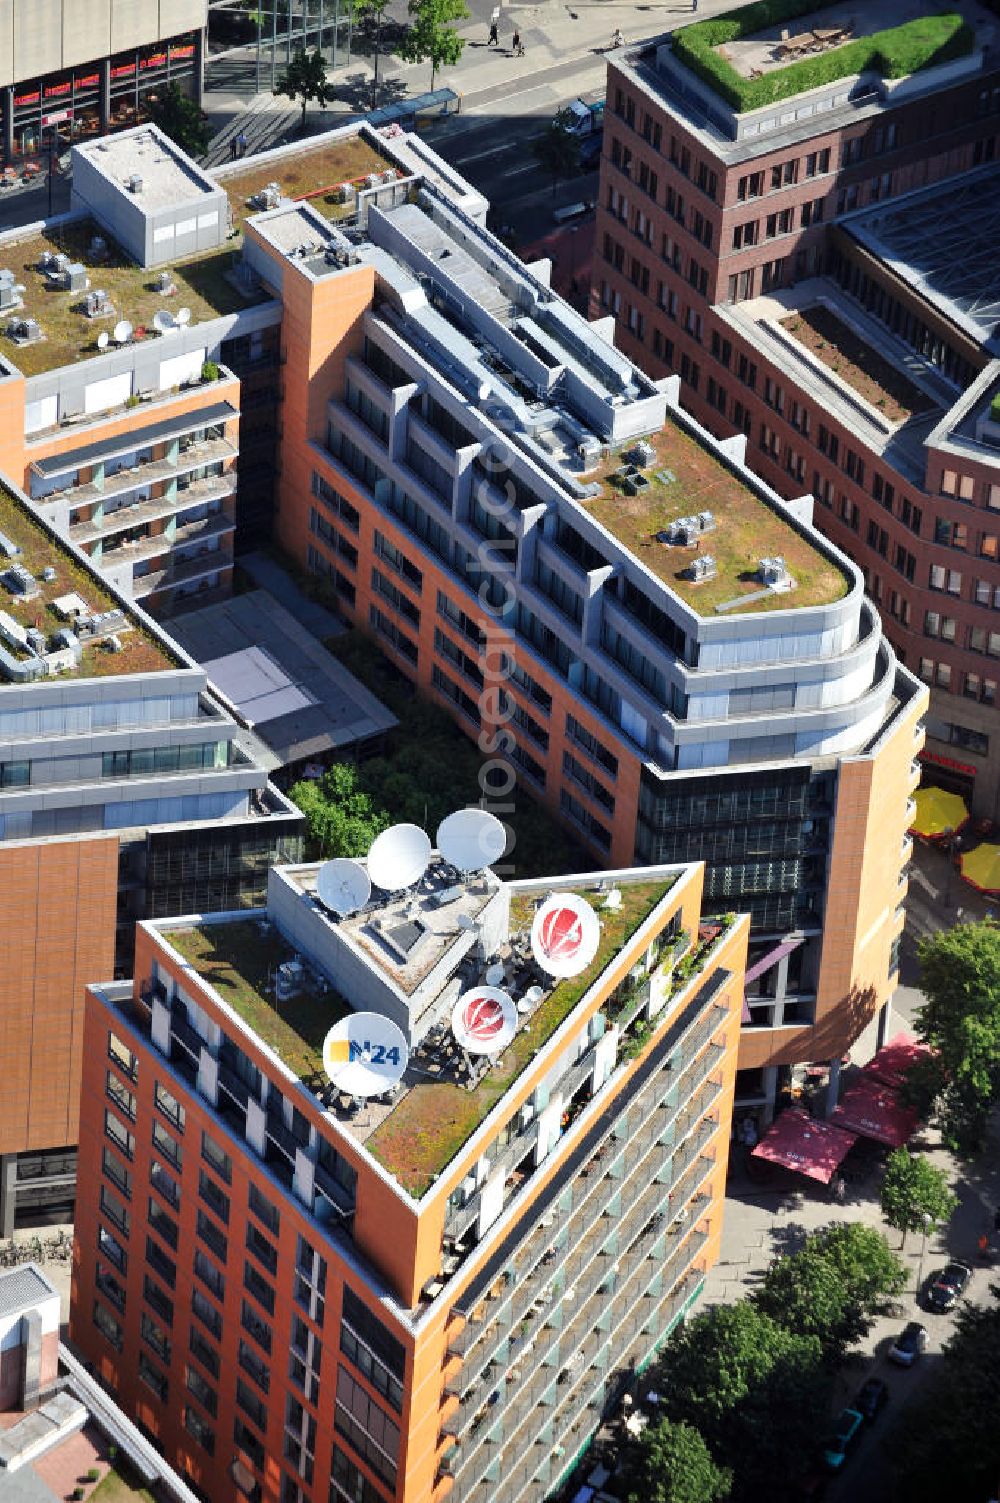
x: 103, y: 340
x: 471, y: 839
x: 365, y: 1054
x: 484, y: 1020
x: 183, y: 316
x: 398, y: 857
x: 342, y: 885
x: 164, y: 322
x: 122, y: 332
x: 565, y: 934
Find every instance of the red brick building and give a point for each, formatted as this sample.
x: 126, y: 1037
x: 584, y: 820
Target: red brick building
x: 820, y: 273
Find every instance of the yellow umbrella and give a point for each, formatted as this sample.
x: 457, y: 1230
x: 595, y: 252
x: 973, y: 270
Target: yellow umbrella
x: 981, y: 867
x: 938, y: 811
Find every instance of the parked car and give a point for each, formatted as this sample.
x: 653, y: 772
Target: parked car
x: 908, y: 1345
x: 871, y: 1397
x: 844, y: 1434
x: 947, y: 1286
x: 590, y: 151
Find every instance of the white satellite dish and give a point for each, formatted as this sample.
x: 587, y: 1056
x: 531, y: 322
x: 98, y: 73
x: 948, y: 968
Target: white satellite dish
x: 365, y: 1054
x: 471, y: 839
x: 183, y: 316
x: 122, y: 331
x: 398, y: 857
x: 103, y: 340
x: 164, y: 322
x: 484, y: 1020
x: 565, y: 934
x: 342, y: 885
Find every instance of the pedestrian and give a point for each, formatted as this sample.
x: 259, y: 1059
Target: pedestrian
x: 234, y: 147
x: 494, y: 39
x: 694, y: 5
x: 617, y: 39
x: 517, y: 45
x: 243, y: 143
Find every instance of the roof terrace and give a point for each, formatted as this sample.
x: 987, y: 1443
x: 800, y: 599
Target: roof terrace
x: 30, y: 603
x: 685, y: 479
x: 439, y: 1103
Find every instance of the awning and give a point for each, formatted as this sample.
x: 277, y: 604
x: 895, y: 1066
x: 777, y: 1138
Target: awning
x: 803, y: 1143
x: 873, y: 1110
x: 981, y: 867
x: 766, y: 962
x: 896, y: 1059
x: 938, y: 811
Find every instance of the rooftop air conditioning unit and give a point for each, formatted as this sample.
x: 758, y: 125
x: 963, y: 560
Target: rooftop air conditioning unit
x: 8, y: 290
x: 773, y: 571
x: 134, y: 182
x: 703, y: 567
x: 76, y: 277
x: 344, y: 193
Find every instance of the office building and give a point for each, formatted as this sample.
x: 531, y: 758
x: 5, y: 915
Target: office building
x: 124, y: 791
x: 70, y: 69
x: 819, y: 271
x: 433, y: 1292
x: 543, y: 541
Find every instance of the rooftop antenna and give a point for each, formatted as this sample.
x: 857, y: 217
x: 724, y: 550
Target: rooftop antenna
x: 183, y: 316
x: 343, y: 886
x: 103, y: 339
x: 484, y: 1020
x: 164, y: 322
x: 471, y: 839
x: 398, y: 857
x: 122, y: 332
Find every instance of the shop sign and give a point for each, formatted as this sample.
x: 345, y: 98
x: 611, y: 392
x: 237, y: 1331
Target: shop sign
x: 57, y: 116
x: 939, y: 761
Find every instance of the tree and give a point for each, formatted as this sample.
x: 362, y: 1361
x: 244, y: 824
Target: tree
x: 753, y: 1390
x: 670, y: 1463
x: 368, y: 13
x: 341, y: 818
x: 960, y: 971
x: 431, y: 38
x: 556, y: 150
x: 305, y: 79
x: 948, y: 1442
x: 833, y: 1287
x: 181, y: 119
x: 914, y: 1194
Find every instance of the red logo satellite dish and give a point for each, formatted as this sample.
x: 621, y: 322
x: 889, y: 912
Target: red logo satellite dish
x: 484, y: 1020
x: 565, y: 935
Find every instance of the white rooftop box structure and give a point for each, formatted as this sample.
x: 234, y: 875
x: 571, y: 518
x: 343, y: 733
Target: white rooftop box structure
x: 156, y: 202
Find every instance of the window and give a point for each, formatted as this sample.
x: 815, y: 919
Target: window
x: 150, y: 1374
x: 310, y: 1281
x: 214, y: 1156
x: 750, y: 186
x: 168, y: 1146
x: 115, y: 1210
x: 203, y: 1391
x: 372, y: 1349
x: 112, y: 1249
x: 251, y: 1404
x: 265, y: 1210
x: 169, y: 1106
x: 349, y: 1484
x: 123, y: 1099
x: 206, y: 1355
x: 216, y: 1200
x: 164, y: 1267
x: 210, y: 1276
x: 368, y: 1428
x: 123, y: 1057
x: 251, y: 1363
x: 164, y: 1184
x: 817, y: 162
x: 117, y: 1173
x: 391, y: 555
x: 119, y: 1134
x: 258, y: 1286
x: 165, y: 1226
x: 110, y: 1287
x: 156, y: 1337
x: 212, y: 1237
x: 261, y: 1248
x: 199, y: 1429
x: 206, y: 1313
x: 109, y: 1328
x: 249, y: 1442
x: 157, y: 1300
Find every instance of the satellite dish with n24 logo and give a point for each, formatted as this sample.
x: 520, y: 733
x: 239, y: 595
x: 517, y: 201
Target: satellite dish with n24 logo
x: 365, y: 1054
x: 565, y: 934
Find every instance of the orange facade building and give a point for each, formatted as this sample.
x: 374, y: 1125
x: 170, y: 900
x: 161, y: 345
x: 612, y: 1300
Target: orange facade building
x: 430, y: 1293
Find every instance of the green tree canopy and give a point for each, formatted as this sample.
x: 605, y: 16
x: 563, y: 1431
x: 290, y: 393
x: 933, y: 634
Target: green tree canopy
x: 960, y: 971
x: 670, y: 1463
x: 947, y: 1444
x: 181, y: 119
x: 305, y: 79
x: 342, y: 819
x: 556, y: 149
x: 914, y: 1189
x: 753, y: 1389
x: 833, y: 1287
x: 431, y: 36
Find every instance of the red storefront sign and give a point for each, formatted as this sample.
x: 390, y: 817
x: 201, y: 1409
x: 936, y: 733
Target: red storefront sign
x: 90, y: 82
x: 939, y: 761
x: 52, y: 91
x: 56, y: 117
x: 185, y: 51
x: 27, y: 98
x: 155, y: 60
x: 124, y: 70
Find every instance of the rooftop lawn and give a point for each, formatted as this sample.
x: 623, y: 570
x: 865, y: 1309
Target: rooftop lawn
x: 878, y: 380
x: 747, y: 530
x: 70, y: 336
x: 140, y: 652
x: 308, y: 175
x: 423, y: 1133
x: 239, y: 962
x: 895, y: 52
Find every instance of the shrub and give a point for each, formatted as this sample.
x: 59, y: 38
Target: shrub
x: 93, y: 1474
x: 77, y: 1494
x: 894, y: 53
x: 132, y: 400
x: 995, y: 408
x: 210, y: 371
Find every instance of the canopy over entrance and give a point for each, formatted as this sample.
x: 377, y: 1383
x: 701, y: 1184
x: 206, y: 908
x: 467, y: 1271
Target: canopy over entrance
x: 896, y: 1059
x: 800, y: 1142
x: 938, y: 811
x: 873, y: 1110
x: 981, y: 867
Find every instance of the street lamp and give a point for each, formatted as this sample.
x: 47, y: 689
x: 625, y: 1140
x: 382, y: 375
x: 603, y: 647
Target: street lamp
x: 923, y: 1244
